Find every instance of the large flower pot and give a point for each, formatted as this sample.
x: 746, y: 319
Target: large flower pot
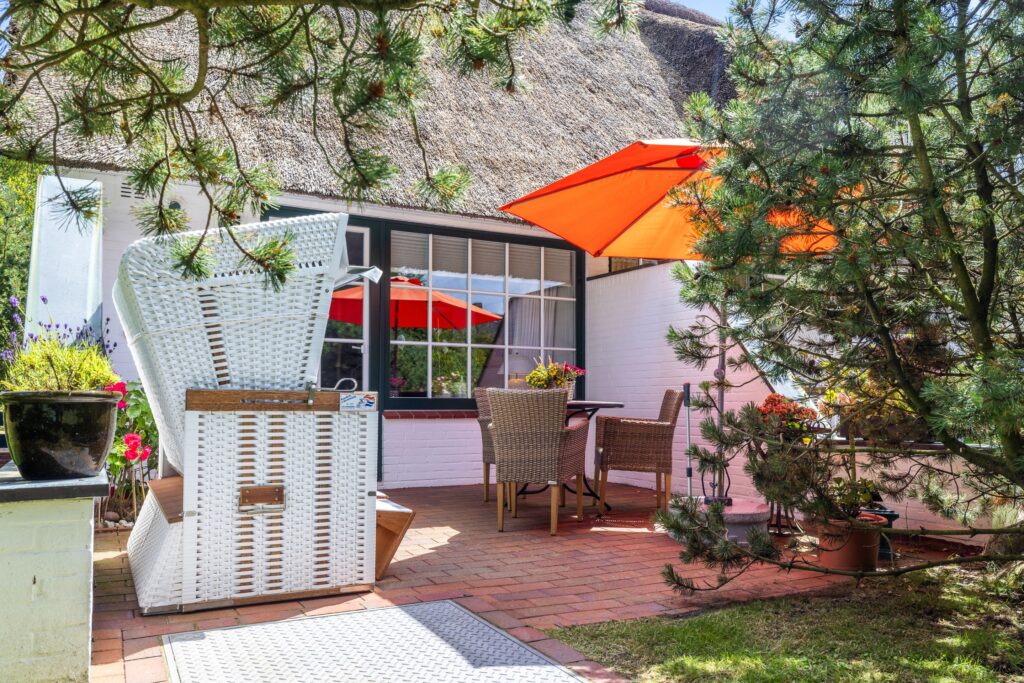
x: 59, y: 435
x: 849, y: 548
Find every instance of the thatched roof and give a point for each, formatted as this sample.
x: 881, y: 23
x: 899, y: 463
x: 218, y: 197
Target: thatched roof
x: 586, y: 97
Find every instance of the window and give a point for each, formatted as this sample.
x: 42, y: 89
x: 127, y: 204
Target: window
x: 468, y: 312
x: 343, y: 355
x: 618, y: 263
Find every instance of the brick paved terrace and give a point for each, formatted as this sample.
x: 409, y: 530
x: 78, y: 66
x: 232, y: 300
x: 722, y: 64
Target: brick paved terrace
x: 522, y: 580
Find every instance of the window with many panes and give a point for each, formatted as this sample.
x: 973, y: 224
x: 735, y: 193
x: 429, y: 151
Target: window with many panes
x: 468, y: 312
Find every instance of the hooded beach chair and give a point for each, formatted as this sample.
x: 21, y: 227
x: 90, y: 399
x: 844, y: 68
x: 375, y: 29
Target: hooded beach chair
x: 268, y: 483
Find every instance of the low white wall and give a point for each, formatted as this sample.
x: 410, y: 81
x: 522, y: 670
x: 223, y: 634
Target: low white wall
x: 46, y: 570
x: 431, y: 452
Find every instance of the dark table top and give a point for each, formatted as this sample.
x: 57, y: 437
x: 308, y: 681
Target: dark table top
x: 13, y: 488
x: 593, y: 405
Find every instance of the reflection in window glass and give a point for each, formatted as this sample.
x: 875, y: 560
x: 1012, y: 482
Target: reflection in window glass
x: 409, y: 255
x: 488, y: 266
x: 346, y: 315
x: 559, y: 273
x: 524, y: 269
x: 480, y: 314
x: 407, y: 319
x: 559, y: 324
x: 337, y: 329
x: 408, y: 376
x: 488, y: 368
x: 523, y: 321
x: 449, y: 372
x: 520, y: 363
x: 489, y: 332
x: 451, y: 261
x: 355, y: 241
x: 341, y: 361
x: 450, y: 316
x: 563, y: 357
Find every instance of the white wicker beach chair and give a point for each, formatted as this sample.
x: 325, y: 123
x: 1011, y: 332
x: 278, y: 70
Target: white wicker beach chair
x: 276, y: 493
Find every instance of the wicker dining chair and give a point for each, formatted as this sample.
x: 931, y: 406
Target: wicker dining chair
x: 533, y: 445
x: 638, y: 445
x: 483, y: 409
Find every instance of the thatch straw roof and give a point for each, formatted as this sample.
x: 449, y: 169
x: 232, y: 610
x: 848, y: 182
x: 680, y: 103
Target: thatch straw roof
x: 587, y: 97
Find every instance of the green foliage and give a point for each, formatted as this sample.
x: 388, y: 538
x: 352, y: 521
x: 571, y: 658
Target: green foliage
x: 50, y: 365
x: 136, y: 417
x: 865, y: 237
x: 944, y: 626
x: 17, y: 203
x: 104, y: 73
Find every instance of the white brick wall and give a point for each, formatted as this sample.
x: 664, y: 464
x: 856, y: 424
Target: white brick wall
x: 431, y: 453
x: 628, y: 316
x: 46, y: 569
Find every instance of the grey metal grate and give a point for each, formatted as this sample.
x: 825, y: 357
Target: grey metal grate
x: 430, y: 642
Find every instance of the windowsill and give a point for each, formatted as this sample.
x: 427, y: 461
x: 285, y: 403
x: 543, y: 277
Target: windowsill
x: 430, y: 414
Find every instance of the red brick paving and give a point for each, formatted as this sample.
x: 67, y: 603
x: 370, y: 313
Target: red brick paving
x: 522, y: 580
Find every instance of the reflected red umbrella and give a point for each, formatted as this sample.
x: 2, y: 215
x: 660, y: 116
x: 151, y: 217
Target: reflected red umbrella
x: 409, y: 307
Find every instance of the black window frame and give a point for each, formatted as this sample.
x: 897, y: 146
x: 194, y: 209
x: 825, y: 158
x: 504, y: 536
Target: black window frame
x: 380, y: 298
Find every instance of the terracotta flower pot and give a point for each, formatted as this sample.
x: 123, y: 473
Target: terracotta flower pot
x: 60, y: 435
x: 849, y: 548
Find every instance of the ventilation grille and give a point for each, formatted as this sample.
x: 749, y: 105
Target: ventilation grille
x: 129, y: 192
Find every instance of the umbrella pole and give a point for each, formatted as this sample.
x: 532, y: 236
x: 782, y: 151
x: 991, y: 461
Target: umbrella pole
x: 720, y: 484
x: 689, y: 463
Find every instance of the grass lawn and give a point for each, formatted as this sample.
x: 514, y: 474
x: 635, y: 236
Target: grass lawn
x: 943, y: 626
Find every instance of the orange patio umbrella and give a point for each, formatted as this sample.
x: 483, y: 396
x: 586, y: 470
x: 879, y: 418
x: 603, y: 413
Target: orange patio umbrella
x: 409, y: 307
x: 622, y: 205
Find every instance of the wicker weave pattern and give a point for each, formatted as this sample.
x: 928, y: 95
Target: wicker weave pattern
x: 324, y: 535
x: 154, y: 553
x: 639, y: 445
x: 531, y: 442
x: 228, y: 330
x: 483, y: 408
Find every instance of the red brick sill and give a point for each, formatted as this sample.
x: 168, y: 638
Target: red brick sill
x: 430, y: 414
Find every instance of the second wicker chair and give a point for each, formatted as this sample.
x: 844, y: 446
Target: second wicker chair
x: 533, y: 445
x: 638, y: 445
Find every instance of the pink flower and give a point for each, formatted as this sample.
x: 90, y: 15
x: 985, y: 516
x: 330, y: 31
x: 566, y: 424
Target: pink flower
x: 146, y: 450
x: 121, y: 388
x: 131, y: 454
x: 132, y: 441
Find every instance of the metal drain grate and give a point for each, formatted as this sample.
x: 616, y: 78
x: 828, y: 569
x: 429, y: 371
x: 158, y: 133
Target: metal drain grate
x: 430, y: 642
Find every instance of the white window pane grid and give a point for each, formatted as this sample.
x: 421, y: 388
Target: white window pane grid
x: 541, y: 295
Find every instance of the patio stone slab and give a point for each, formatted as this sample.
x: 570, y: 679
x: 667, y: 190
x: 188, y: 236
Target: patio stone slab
x: 425, y: 642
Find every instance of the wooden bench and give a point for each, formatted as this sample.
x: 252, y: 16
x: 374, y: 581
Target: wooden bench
x: 393, y: 521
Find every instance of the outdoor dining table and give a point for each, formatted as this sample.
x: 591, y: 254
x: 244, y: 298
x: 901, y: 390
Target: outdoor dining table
x: 575, y: 409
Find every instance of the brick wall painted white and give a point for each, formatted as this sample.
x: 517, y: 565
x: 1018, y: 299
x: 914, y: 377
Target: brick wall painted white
x: 431, y: 453
x: 628, y: 359
x: 46, y: 565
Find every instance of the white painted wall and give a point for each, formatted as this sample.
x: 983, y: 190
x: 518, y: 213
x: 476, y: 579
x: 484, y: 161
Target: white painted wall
x: 628, y: 359
x: 431, y: 453
x: 66, y: 258
x: 46, y: 569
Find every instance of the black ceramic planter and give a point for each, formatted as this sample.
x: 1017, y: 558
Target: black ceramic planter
x: 59, y: 435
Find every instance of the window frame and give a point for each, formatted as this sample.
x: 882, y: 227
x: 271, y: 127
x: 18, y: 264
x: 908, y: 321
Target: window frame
x: 379, y: 336
x: 382, y: 341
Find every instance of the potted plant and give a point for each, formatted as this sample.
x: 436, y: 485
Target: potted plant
x: 850, y: 535
x: 554, y: 376
x: 781, y: 458
x: 132, y: 459
x: 59, y: 421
